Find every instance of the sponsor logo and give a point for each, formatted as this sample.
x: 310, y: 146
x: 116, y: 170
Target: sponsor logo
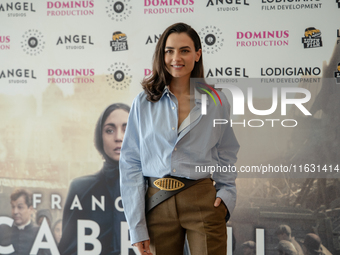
x: 211, y: 38
x: 283, y: 5
x: 262, y: 38
x: 119, y: 77
x: 290, y: 71
x: 70, y: 8
x: 119, y: 41
x: 152, y: 39
x: 17, y: 75
x: 337, y: 74
x: 67, y: 76
x: 118, y: 10
x: 75, y: 42
x: 17, y: 9
x: 227, y: 5
x: 306, y: 74
x: 4, y: 42
x: 312, y: 38
x: 226, y: 71
x: 32, y: 42
x: 168, y: 6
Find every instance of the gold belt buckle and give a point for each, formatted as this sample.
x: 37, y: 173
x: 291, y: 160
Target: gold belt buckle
x: 168, y: 184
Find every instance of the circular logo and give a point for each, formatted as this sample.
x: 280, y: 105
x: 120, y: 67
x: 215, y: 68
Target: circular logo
x: 118, y: 10
x: 212, y: 39
x: 118, y: 7
x: 119, y: 77
x: 32, y: 42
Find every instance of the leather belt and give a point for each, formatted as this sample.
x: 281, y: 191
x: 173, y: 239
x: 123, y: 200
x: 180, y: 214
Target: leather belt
x: 168, y: 186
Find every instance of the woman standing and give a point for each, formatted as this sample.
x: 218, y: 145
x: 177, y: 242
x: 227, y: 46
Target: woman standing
x: 109, y: 134
x: 57, y: 231
x: 167, y: 136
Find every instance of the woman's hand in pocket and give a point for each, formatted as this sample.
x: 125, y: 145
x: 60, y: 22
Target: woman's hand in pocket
x: 218, y: 202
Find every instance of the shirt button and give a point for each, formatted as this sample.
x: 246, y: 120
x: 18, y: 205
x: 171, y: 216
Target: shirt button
x: 173, y: 108
x: 175, y: 149
x: 174, y: 170
x: 173, y: 128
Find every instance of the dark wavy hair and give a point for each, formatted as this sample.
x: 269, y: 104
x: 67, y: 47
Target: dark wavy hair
x: 154, y: 85
x: 22, y: 192
x: 98, y: 133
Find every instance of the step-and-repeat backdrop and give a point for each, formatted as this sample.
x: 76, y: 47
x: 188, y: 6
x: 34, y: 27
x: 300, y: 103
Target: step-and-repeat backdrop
x: 63, y: 62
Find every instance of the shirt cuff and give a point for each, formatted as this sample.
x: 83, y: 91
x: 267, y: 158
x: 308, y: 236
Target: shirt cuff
x: 228, y: 199
x: 138, y: 235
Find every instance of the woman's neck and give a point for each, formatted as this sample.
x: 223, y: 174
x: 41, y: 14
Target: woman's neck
x: 180, y: 86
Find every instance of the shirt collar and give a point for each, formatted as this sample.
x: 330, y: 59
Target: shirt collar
x: 22, y: 227
x: 197, y: 95
x: 166, y: 91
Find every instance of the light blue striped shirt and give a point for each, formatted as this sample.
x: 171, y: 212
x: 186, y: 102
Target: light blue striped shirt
x: 153, y: 146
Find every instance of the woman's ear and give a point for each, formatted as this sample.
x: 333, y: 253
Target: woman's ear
x: 198, y: 55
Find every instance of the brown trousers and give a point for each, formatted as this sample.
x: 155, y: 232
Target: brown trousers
x: 190, y: 212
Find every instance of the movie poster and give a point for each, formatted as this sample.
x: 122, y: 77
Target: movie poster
x: 65, y: 63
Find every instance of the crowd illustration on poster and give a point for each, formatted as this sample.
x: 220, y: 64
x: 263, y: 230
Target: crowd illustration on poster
x: 69, y: 66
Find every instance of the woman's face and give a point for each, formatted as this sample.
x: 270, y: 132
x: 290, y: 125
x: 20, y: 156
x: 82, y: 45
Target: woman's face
x: 180, y: 55
x: 113, y: 133
x: 57, y: 232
